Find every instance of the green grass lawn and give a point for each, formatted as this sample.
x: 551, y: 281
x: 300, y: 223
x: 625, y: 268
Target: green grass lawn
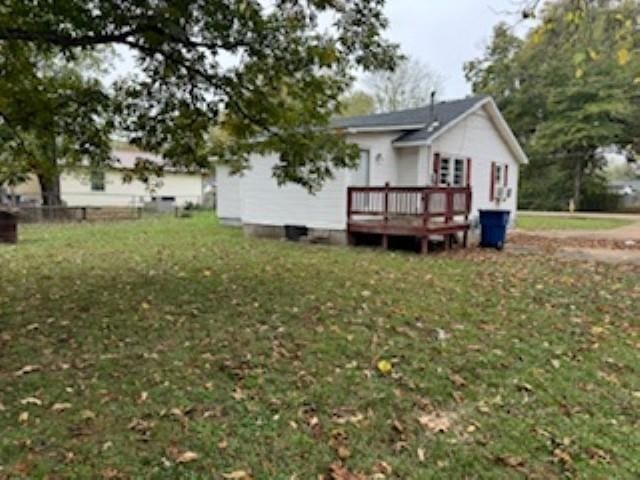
x: 125, y: 346
x: 531, y: 222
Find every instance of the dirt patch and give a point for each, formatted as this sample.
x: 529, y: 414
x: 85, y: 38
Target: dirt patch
x: 628, y: 257
x: 554, y: 242
x: 617, y: 246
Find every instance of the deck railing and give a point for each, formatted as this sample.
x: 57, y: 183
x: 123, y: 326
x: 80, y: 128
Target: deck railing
x: 387, y: 202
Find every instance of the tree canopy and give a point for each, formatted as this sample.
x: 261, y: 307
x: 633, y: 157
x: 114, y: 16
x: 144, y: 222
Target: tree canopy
x: 568, y: 88
x: 293, y: 60
x: 408, y: 86
x: 54, y: 115
x: 357, y: 103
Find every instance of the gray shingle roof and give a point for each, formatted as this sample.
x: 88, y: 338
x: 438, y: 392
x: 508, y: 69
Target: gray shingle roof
x: 445, y: 113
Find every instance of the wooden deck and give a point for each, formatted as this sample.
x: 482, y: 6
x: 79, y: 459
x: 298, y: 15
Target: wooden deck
x: 421, y: 212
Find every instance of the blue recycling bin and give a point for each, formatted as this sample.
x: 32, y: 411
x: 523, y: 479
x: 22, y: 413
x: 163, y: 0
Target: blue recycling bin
x: 493, y: 228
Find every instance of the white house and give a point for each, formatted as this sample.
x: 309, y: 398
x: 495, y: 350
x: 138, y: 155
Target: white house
x: 81, y: 187
x: 455, y: 144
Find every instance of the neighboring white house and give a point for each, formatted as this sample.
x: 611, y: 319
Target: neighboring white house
x: 82, y: 187
x: 446, y: 144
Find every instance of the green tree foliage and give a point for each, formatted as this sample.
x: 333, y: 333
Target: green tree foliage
x: 279, y: 96
x: 569, y: 88
x: 357, y: 103
x: 54, y: 117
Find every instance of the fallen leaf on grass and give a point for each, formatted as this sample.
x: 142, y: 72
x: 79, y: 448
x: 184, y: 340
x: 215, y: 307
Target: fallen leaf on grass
x: 385, y: 367
x: 337, y: 471
x: 237, y: 475
x: 23, y: 417
x: 436, y: 422
x: 31, y: 401
x: 458, y: 380
x: 511, y: 461
x: 343, y: 452
x: 140, y: 426
x: 421, y: 454
x: 598, y: 454
x: 382, y: 468
x: 143, y: 397
x: 27, y: 369
x: 60, y: 407
x: 87, y: 415
x: 238, y: 394
x: 176, y: 412
x: 187, y: 457
x: 112, y: 474
x: 345, y: 415
x: 562, y: 456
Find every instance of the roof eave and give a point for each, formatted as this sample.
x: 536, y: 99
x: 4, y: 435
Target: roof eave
x: 511, y: 139
x: 387, y: 128
x: 414, y: 143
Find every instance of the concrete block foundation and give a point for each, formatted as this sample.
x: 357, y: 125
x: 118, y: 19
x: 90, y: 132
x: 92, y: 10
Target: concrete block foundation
x: 315, y: 235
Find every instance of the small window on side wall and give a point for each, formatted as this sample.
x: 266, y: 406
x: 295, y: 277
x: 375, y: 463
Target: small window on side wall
x: 499, y: 190
x: 97, y: 179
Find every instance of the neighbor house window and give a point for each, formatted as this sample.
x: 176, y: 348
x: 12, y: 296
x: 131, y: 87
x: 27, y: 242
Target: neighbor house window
x: 97, y: 181
x: 458, y: 172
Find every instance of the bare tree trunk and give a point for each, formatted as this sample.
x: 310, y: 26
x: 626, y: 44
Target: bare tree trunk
x: 12, y: 192
x: 51, y: 199
x: 50, y: 188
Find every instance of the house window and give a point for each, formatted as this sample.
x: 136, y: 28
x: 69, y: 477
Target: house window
x: 445, y: 171
x: 458, y: 172
x: 499, y: 182
x: 97, y: 179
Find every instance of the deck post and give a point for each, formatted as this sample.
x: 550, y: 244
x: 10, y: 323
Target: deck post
x: 424, y: 245
x: 424, y: 241
x: 386, y: 203
x: 350, y: 239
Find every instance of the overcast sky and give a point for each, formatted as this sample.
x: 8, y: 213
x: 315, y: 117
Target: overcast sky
x: 446, y: 33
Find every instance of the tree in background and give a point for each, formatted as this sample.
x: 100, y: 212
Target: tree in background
x: 282, y: 90
x: 54, y: 116
x: 357, y: 103
x: 568, y: 89
x: 408, y: 86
